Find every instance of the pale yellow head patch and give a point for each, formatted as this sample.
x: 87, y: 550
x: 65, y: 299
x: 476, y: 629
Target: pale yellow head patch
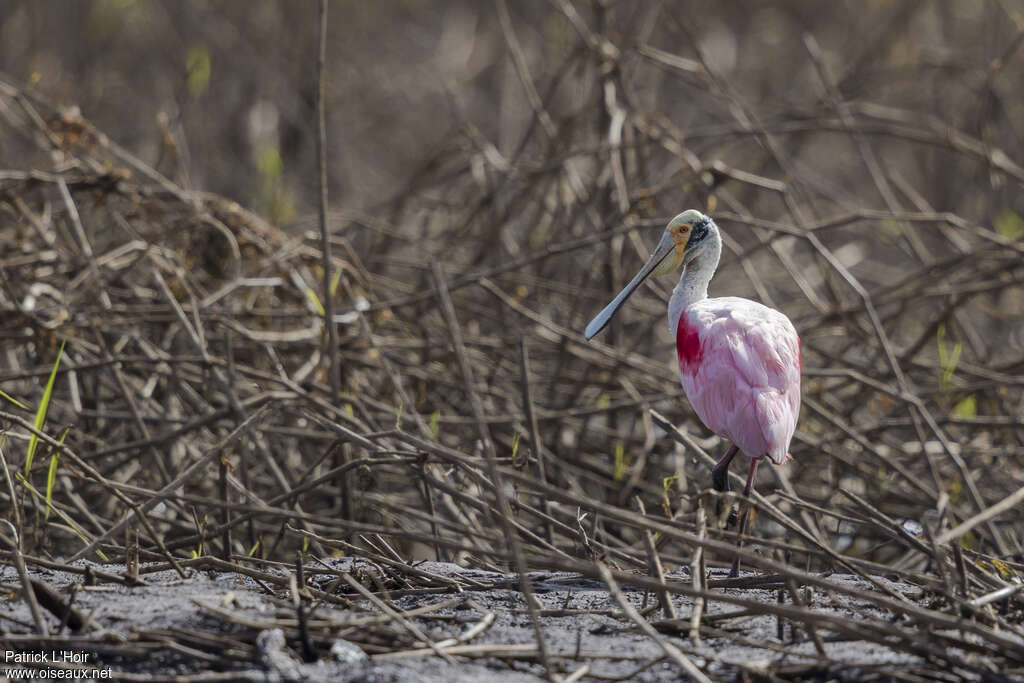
x: 680, y: 235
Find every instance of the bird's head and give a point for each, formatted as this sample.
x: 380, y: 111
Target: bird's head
x: 685, y: 239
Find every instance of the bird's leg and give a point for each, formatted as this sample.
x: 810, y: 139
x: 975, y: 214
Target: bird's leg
x: 720, y: 472
x: 720, y: 482
x: 754, y: 462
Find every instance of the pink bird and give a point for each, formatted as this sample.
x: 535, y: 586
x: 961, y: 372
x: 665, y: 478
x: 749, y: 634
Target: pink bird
x: 739, y: 361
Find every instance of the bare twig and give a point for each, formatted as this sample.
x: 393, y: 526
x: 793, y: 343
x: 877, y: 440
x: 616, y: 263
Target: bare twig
x: 334, y: 371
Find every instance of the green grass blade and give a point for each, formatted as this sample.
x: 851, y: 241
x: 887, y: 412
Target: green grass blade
x: 8, y: 397
x: 621, y: 462
x: 72, y: 524
x: 44, y: 405
x: 51, y: 475
x: 335, y: 280
x: 315, y: 300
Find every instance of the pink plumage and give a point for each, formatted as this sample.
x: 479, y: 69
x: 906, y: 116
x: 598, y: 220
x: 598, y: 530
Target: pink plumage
x: 739, y: 363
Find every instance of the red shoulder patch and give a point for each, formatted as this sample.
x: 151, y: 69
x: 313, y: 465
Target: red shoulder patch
x: 688, y: 345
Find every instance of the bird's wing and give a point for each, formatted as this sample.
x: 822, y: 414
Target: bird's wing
x: 743, y: 379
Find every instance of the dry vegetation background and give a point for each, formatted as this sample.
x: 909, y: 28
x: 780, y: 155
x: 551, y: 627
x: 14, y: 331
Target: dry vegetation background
x: 497, y: 172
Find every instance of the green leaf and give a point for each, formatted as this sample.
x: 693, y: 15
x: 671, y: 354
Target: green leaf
x: 13, y: 400
x: 966, y: 408
x: 51, y: 475
x: 197, y: 66
x: 316, y: 301
x: 947, y: 361
x: 949, y: 369
x: 892, y: 229
x: 1005, y: 570
x: 435, y: 425
x: 335, y: 279
x: 51, y: 478
x: 398, y: 416
x: 956, y: 492
x: 44, y: 405
x: 1009, y: 225
x: 72, y: 524
x: 515, y: 445
x: 668, y: 482
x: 254, y: 548
x: 270, y: 163
x: 940, y: 339
x: 621, y: 462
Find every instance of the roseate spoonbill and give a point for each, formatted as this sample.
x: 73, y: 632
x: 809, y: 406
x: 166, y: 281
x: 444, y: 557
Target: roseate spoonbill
x: 739, y: 361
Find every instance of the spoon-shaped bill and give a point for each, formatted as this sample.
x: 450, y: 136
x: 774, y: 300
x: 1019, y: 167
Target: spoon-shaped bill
x: 664, y: 248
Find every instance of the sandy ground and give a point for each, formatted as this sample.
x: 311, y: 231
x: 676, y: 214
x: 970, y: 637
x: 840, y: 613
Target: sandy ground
x: 585, y: 631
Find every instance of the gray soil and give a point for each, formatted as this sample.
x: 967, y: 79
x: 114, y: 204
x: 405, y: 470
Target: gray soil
x: 588, y: 629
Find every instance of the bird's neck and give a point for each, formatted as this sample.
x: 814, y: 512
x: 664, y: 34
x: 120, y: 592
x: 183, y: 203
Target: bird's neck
x: 693, y: 283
